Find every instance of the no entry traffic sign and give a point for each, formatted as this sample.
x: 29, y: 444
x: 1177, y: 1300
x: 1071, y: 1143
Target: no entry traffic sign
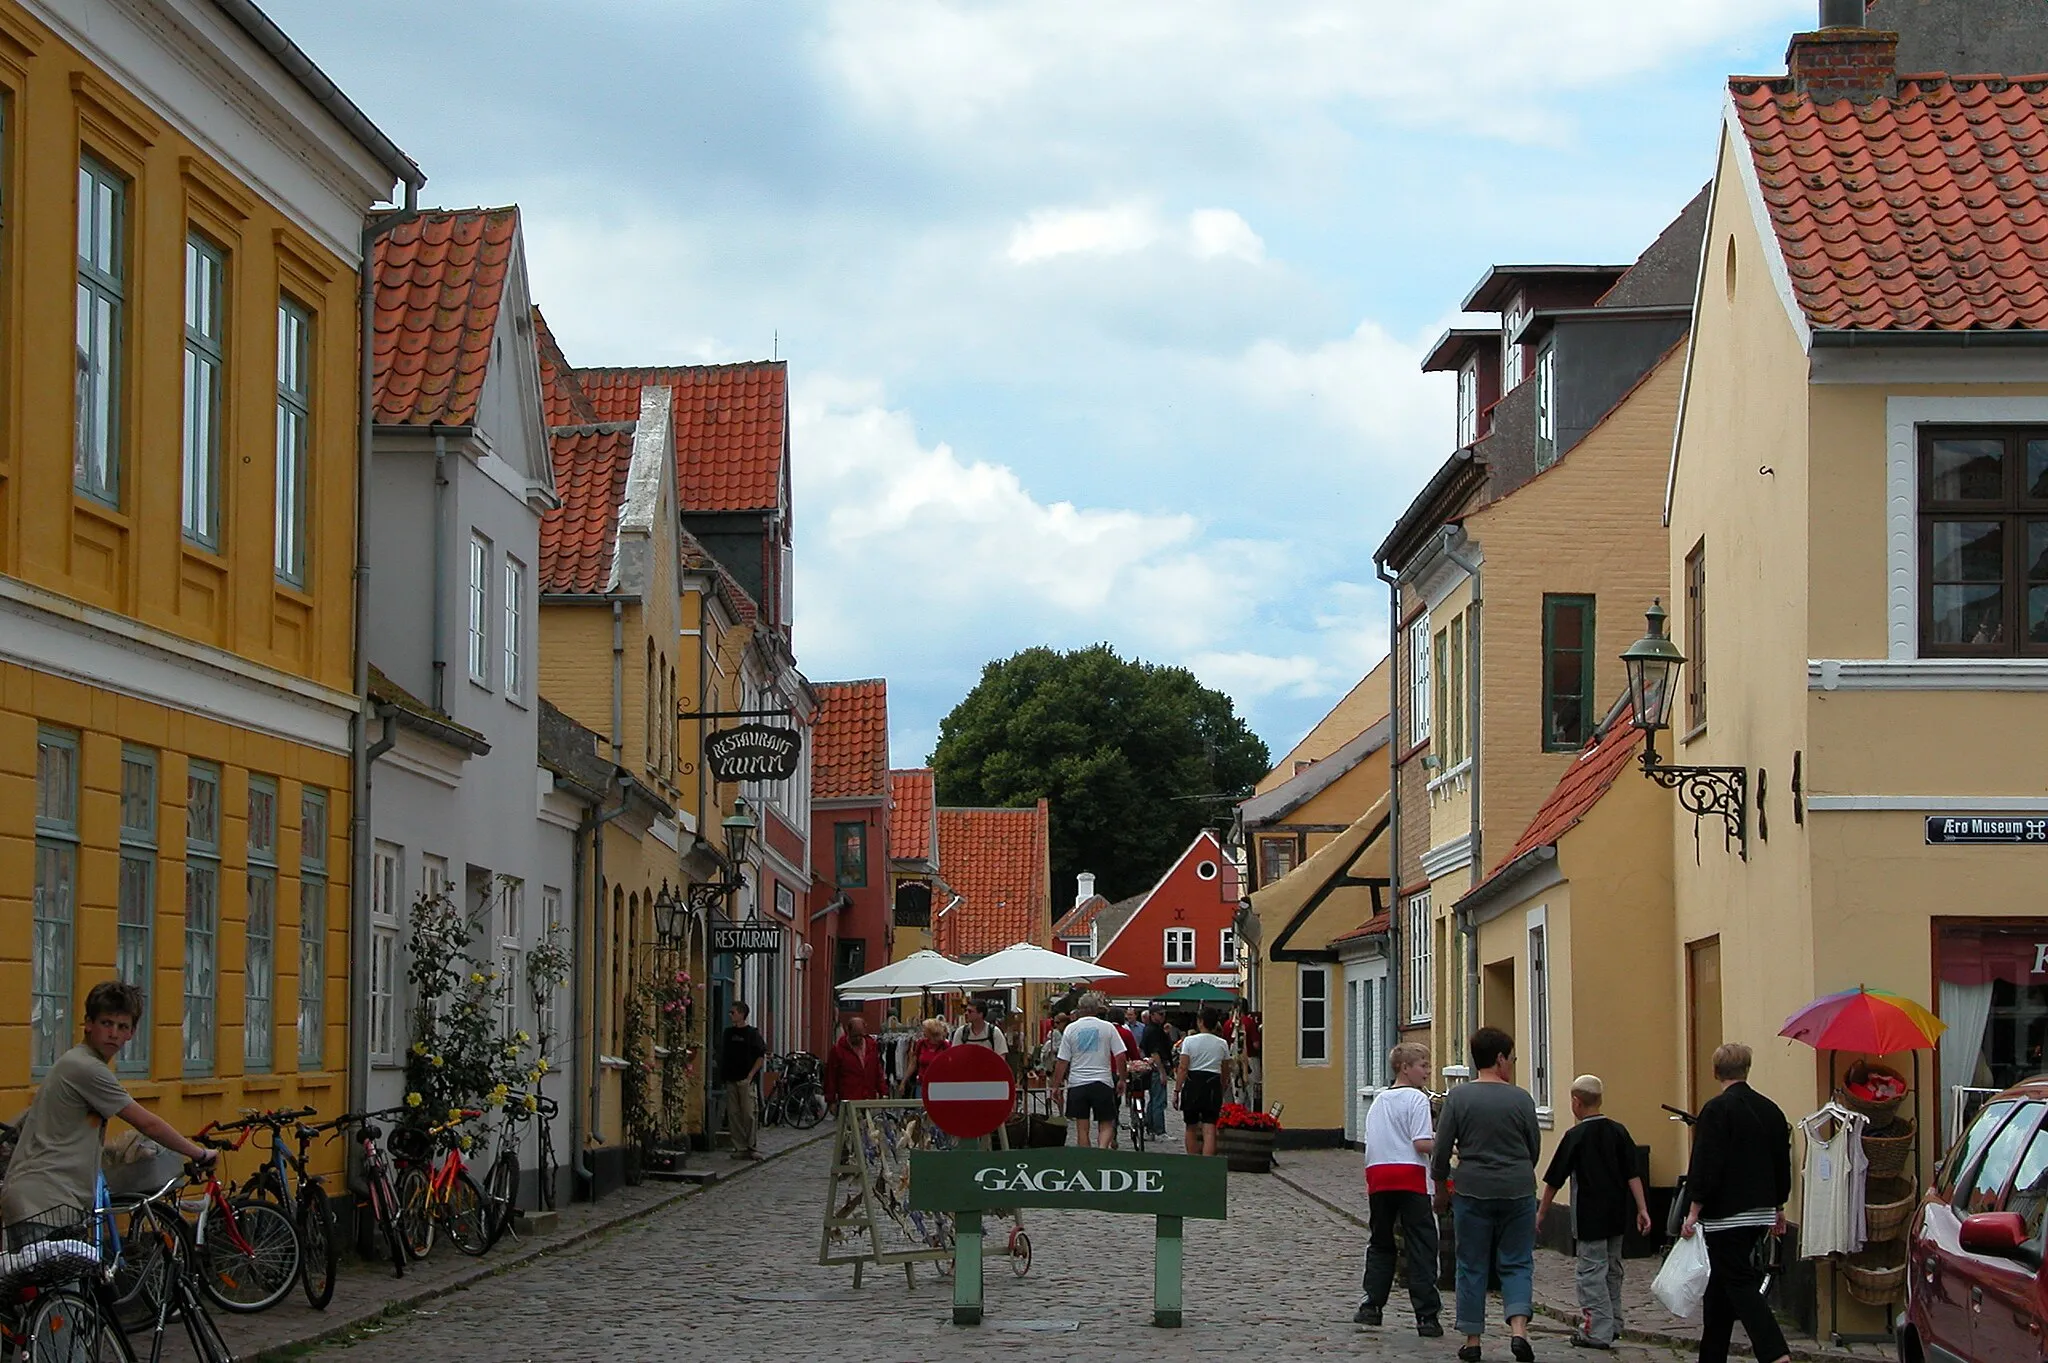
x: 968, y: 1091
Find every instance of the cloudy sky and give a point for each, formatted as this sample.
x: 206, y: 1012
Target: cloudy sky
x: 1103, y: 316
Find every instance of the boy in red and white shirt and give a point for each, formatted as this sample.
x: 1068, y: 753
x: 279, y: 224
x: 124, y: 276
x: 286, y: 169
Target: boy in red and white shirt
x: 1400, y: 1136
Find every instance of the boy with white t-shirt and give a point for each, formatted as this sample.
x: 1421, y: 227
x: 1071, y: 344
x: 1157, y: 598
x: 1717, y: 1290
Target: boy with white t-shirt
x: 1400, y: 1136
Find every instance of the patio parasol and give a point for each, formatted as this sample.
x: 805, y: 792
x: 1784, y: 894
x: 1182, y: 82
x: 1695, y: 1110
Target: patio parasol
x: 1023, y: 964
x: 1873, y: 1021
x: 1199, y: 993
x: 918, y: 973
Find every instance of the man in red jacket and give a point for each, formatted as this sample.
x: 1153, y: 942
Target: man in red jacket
x: 853, y: 1070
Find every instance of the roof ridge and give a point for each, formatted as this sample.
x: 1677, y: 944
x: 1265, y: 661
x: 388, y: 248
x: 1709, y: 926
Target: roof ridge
x: 679, y: 367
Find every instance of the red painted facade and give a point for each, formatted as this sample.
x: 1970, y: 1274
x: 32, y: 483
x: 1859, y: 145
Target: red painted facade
x: 1198, y: 896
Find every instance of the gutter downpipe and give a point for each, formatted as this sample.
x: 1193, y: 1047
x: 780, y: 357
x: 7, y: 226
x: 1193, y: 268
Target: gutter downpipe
x: 440, y: 569
x: 618, y: 681
x: 374, y: 226
x: 1472, y: 660
x: 596, y: 822
x: 1396, y: 962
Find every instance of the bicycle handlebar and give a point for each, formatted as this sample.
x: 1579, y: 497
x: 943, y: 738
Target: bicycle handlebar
x: 276, y: 1118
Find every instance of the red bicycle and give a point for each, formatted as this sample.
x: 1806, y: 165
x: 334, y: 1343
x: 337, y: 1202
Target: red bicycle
x: 246, y: 1251
x: 444, y: 1194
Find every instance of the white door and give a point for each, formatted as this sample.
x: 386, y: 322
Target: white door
x: 1365, y: 1043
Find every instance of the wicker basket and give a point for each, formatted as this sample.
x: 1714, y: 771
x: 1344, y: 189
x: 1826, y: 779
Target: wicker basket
x: 1879, y: 1112
x: 1876, y: 1277
x: 1887, y: 1206
x: 1889, y: 1151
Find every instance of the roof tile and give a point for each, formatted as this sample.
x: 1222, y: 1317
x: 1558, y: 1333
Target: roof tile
x: 578, y: 537
x: 850, y: 741
x: 996, y: 861
x: 910, y: 830
x: 440, y: 280
x: 731, y: 427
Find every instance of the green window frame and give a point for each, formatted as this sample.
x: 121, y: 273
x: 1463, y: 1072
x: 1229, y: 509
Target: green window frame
x: 135, y: 916
x: 259, y: 931
x: 202, y: 916
x: 1568, y: 691
x: 102, y: 302
x: 206, y: 273
x: 53, y: 921
x: 294, y: 432
x: 312, y: 928
x: 850, y: 855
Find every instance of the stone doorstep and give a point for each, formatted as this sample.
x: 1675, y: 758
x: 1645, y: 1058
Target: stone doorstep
x: 337, y: 1324
x: 1569, y: 1315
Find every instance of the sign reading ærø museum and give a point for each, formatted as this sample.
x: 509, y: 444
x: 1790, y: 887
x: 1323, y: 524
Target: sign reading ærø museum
x: 752, y: 752
x: 1945, y: 829
x: 751, y: 938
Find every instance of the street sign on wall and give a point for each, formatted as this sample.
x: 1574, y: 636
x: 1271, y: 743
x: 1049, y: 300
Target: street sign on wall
x: 1993, y: 829
x: 752, y: 752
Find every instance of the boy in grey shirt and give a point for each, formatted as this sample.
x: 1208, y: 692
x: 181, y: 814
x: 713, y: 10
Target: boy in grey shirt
x: 1490, y: 1125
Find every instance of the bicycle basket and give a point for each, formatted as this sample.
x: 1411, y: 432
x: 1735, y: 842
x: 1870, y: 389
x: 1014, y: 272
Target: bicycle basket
x: 43, y: 1251
x: 410, y: 1143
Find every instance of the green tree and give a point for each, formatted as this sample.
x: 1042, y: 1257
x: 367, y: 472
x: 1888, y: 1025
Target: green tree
x: 1135, y: 759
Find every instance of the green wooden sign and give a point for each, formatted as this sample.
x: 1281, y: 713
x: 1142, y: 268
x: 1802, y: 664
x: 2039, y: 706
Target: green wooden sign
x: 1072, y: 1178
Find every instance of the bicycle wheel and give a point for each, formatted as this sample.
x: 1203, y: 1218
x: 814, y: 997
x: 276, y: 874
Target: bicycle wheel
x: 383, y: 1210
x: 808, y: 1107
x: 415, y: 1213
x: 206, y: 1339
x: 319, y: 1250
x: 462, y: 1212
x: 549, y: 1169
x: 65, y: 1327
x: 150, y: 1245
x: 1020, y: 1252
x: 502, y: 1189
x: 250, y: 1265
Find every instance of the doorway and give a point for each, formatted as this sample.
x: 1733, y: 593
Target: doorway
x: 1703, y: 1015
x: 1365, y: 1042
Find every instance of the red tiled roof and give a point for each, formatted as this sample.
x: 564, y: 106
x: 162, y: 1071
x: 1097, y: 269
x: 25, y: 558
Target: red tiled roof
x: 850, y: 740
x: 910, y: 831
x: 1074, y: 922
x: 1918, y: 212
x: 440, y: 279
x: 995, y: 860
x: 561, y: 395
x: 731, y: 423
x: 577, y: 538
x: 1574, y: 796
x: 1371, y: 927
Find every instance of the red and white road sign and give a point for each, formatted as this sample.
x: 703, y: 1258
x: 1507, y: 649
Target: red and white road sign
x: 968, y: 1091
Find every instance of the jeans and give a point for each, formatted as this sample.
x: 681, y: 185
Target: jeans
x: 1494, y: 1232
x: 1412, y: 1213
x: 1155, y: 1102
x: 1599, y: 1276
x: 1735, y: 1292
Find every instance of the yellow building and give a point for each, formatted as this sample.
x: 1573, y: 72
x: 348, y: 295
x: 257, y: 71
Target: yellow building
x: 178, y: 492
x: 1854, y: 570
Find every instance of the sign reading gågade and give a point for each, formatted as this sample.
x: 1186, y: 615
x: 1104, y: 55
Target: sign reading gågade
x: 751, y: 938
x: 752, y: 752
x: 1944, y: 829
x: 1091, y: 1180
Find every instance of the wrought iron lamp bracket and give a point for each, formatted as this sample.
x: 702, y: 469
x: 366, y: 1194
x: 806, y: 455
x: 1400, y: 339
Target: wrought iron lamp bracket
x: 711, y: 894
x: 1708, y: 792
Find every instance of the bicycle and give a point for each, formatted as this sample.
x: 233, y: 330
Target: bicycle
x: 798, y: 1100
x: 446, y: 1194
x: 501, y: 1185
x: 379, y: 1199
x: 248, y: 1251
x: 1137, y: 1093
x: 304, y: 1202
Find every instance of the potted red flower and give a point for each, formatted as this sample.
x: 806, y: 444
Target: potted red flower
x: 1244, y: 1136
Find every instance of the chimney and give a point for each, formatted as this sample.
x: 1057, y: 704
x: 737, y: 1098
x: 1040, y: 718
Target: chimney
x: 1084, y: 886
x: 1843, y: 59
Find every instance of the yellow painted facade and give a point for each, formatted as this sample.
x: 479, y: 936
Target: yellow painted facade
x: 138, y: 642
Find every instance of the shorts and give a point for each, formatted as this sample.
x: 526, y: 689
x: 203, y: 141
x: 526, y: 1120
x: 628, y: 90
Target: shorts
x: 1201, y: 1098
x: 1091, y: 1102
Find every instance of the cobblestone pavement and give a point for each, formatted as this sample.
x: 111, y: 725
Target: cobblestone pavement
x: 730, y: 1274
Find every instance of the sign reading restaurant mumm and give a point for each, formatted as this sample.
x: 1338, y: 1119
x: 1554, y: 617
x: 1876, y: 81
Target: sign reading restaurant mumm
x: 752, y: 752
x: 1978, y: 828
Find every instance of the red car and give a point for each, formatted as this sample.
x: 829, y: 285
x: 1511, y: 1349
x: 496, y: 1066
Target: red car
x: 1976, y: 1289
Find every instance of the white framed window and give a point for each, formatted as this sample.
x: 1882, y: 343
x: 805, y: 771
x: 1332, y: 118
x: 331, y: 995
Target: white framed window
x: 511, y: 950
x: 206, y: 269
x: 1314, y: 1011
x: 515, y: 628
x: 1546, y: 406
x: 434, y: 880
x: 259, y: 935
x: 102, y: 307
x: 386, y: 918
x: 135, y: 915
x: 546, y: 1023
x: 1538, y: 1044
x: 1418, y: 679
x: 294, y: 429
x: 1511, y: 323
x: 54, y: 918
x: 312, y: 929
x: 202, y: 914
x: 1081, y: 951
x: 1418, y: 930
x: 1227, y: 949
x: 479, y: 610
x: 1468, y: 402
x: 1180, y: 947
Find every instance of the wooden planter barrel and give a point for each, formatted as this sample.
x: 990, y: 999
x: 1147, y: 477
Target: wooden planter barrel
x: 1249, y: 1152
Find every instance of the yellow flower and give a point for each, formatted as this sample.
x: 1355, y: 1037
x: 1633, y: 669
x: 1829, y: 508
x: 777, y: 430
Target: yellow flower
x: 464, y: 1142
x: 419, y: 1048
x: 412, y: 1100
x: 498, y: 1096
x: 454, y: 1114
x: 476, y: 977
x: 541, y: 1066
x: 438, y: 1061
x: 523, y: 1038
x: 532, y: 1103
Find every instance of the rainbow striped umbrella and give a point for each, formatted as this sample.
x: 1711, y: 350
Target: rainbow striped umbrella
x: 1873, y: 1021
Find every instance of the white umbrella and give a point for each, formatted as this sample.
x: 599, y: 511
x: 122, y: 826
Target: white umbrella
x: 913, y: 975
x: 1027, y: 964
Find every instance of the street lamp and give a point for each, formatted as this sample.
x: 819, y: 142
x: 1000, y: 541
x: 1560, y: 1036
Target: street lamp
x: 737, y: 826
x: 670, y: 916
x: 1652, y: 663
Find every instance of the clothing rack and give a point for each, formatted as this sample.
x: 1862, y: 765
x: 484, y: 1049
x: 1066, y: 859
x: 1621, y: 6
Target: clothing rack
x: 1888, y: 1335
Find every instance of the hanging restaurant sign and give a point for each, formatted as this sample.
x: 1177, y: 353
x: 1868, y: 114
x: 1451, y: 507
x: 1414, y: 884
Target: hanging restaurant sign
x: 753, y: 937
x: 1944, y: 829
x: 752, y: 752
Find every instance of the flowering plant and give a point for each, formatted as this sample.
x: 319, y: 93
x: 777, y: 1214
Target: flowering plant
x: 460, y: 1056
x: 1242, y: 1118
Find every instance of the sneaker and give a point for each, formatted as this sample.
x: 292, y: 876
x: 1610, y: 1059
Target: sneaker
x: 1582, y: 1340
x: 1368, y: 1314
x: 1468, y: 1353
x: 1427, y: 1327
x: 1519, y: 1344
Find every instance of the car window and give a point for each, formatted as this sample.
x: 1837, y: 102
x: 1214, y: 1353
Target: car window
x: 1989, y: 1119
x: 2029, y: 1196
x: 1987, y: 1185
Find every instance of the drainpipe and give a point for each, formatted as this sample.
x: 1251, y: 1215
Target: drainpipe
x: 1396, y: 962
x: 577, y: 995
x: 359, y: 732
x: 595, y: 822
x: 440, y: 570
x: 618, y: 682
x: 1475, y: 616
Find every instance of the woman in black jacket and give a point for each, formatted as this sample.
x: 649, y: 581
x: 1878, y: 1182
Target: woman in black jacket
x: 1740, y: 1178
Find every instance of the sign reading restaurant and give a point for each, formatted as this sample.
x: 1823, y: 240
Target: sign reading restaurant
x: 750, y: 938
x: 752, y: 752
x: 1952, y: 829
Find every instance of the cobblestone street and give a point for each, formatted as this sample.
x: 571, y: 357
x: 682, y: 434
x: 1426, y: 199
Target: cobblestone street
x: 731, y: 1274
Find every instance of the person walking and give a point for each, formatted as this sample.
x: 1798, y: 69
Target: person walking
x: 1738, y: 1181
x: 977, y: 1030
x: 930, y: 1045
x: 1200, y: 1087
x: 853, y: 1071
x: 1092, y: 1058
x: 1157, y: 1047
x: 1598, y: 1157
x: 741, y: 1054
x: 1489, y: 1125
x: 1399, y: 1140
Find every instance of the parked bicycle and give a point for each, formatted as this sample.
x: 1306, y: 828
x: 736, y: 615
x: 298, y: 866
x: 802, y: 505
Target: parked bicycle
x: 247, y: 1251
x: 1138, y: 1092
x: 798, y: 1096
x: 377, y: 1207
x: 441, y: 1195
x: 501, y: 1185
x: 285, y: 1181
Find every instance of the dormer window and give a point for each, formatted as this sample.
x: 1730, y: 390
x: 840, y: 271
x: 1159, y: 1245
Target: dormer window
x: 1546, y: 407
x: 1468, y: 402
x: 1511, y: 323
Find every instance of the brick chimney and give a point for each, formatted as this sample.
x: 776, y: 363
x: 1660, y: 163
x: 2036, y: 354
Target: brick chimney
x: 1843, y: 59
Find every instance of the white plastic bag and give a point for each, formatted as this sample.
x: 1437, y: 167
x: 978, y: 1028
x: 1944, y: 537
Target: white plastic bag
x: 1682, y: 1283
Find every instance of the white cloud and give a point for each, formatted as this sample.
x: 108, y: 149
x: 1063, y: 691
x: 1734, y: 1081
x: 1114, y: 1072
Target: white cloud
x: 1207, y: 234
x: 1248, y: 676
x: 1216, y: 232
x: 1368, y: 384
